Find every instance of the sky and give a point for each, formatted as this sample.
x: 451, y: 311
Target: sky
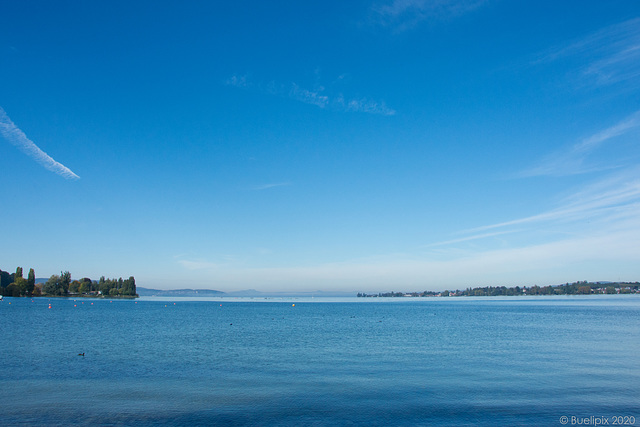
x: 361, y: 146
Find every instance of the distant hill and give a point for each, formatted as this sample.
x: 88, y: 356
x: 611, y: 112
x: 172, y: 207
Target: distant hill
x: 146, y: 292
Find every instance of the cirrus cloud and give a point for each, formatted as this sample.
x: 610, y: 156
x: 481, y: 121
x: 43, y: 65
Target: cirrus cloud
x: 16, y: 137
x: 320, y: 97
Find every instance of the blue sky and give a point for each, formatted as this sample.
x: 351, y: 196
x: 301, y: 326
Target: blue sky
x: 354, y: 146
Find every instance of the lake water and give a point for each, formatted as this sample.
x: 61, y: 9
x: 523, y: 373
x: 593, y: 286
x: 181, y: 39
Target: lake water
x: 401, y: 361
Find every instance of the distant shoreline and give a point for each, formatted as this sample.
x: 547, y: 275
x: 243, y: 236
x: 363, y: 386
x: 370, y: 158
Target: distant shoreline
x: 575, y: 288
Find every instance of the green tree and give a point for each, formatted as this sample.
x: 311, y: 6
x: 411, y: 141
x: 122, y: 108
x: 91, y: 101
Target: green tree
x: 129, y: 286
x: 65, y: 281
x: 584, y: 290
x: 53, y: 286
x: 88, y: 284
x: 21, y: 284
x: 84, y: 288
x: 104, y: 287
x: 12, y: 290
x: 18, y: 272
x: 74, y: 287
x: 547, y: 290
x: 5, y: 278
x: 31, y: 282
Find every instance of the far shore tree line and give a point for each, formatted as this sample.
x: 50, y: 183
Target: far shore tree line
x: 15, y: 285
x: 576, y: 288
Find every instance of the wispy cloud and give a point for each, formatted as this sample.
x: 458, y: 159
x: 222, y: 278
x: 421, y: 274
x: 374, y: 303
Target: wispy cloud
x: 271, y: 185
x: 572, y: 161
x: 321, y: 97
x: 629, y: 123
x: 469, y: 238
x: 308, y: 96
x: 608, y: 56
x: 362, y: 105
x: 405, y: 14
x: 237, y: 81
x: 15, y: 136
x: 604, y: 201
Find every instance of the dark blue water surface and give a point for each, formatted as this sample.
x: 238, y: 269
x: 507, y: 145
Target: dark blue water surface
x: 404, y: 361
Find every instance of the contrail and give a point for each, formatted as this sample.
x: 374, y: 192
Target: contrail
x: 15, y: 136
